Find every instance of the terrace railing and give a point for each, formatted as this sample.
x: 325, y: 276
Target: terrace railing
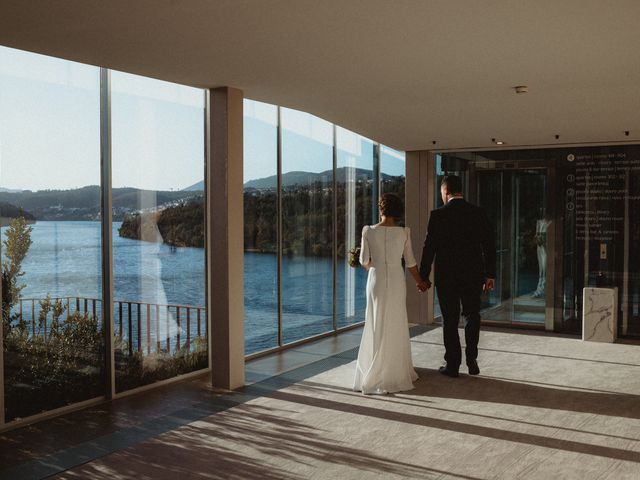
x: 142, y: 326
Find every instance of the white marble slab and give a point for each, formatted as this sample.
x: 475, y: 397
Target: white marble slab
x: 599, y: 314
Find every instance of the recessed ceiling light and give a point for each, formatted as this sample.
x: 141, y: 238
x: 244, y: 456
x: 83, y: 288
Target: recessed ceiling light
x: 521, y: 88
x: 497, y: 142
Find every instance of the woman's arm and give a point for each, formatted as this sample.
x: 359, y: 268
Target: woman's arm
x: 365, y: 255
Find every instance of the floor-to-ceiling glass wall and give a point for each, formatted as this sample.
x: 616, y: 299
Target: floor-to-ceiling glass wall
x: 260, y: 226
x: 51, y: 233
x: 307, y: 225
x: 598, y: 195
x: 319, y: 184
x: 158, y: 230
x: 354, y: 190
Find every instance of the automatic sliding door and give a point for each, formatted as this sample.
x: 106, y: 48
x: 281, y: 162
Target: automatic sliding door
x: 515, y: 201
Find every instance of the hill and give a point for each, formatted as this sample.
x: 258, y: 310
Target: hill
x: 9, y: 212
x: 84, y: 203
x: 291, y: 179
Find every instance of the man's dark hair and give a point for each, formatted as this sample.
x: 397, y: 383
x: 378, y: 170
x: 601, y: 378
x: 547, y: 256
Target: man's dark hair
x: 453, y: 183
x: 391, y: 205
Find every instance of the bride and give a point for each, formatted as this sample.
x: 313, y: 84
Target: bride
x: 384, y: 360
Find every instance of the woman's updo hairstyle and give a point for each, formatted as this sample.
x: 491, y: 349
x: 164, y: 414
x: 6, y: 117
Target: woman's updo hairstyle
x: 391, y: 206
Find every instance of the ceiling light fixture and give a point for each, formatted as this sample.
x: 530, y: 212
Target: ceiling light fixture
x: 521, y: 88
x: 497, y: 142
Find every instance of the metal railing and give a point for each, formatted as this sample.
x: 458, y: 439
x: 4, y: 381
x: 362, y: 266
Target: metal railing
x: 141, y: 325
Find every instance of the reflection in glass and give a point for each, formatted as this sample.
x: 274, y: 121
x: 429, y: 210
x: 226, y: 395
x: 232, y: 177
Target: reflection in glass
x: 158, y: 230
x: 354, y: 179
x: 542, y: 227
x: 50, y: 219
x: 260, y: 226
x: 530, y: 238
x: 307, y: 222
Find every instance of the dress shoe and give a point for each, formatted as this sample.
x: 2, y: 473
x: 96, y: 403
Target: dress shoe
x: 444, y: 370
x: 473, y: 367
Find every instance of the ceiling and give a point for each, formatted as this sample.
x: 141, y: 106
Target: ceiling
x: 405, y: 73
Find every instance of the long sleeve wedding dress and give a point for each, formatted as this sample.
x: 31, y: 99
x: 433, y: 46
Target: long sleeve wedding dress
x: 384, y: 360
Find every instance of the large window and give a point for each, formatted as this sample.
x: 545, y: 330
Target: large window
x: 51, y: 233
x: 158, y: 230
x: 56, y: 131
x: 318, y: 184
x: 260, y: 226
x: 307, y: 225
x: 64, y: 129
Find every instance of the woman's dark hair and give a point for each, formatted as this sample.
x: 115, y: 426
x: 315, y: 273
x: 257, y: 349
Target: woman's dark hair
x: 453, y: 183
x: 391, y: 205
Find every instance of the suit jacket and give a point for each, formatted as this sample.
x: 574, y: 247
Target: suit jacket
x: 461, y: 239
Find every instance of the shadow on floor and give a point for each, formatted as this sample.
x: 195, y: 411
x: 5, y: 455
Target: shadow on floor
x: 489, y: 390
x: 248, y: 441
x: 496, y: 390
x: 410, y: 399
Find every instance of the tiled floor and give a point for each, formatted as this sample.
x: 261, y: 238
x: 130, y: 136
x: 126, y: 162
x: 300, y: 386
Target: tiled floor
x: 544, y: 407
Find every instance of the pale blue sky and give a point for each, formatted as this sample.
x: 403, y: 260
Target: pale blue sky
x: 50, y: 131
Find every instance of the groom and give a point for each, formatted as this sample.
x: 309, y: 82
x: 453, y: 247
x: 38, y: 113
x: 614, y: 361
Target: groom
x: 460, y: 238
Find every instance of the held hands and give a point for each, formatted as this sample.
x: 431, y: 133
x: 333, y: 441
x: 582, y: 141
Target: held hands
x: 423, y: 286
x: 489, y: 284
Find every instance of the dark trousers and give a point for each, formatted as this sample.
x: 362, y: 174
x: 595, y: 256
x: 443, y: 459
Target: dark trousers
x: 451, y: 295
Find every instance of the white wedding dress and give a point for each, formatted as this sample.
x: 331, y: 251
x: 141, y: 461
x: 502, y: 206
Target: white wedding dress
x: 384, y: 360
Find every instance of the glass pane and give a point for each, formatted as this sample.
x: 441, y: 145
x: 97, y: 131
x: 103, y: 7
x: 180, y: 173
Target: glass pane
x: 392, y: 172
x: 355, y: 210
x: 51, y: 232
x: 307, y: 240
x: 260, y: 226
x: 158, y: 230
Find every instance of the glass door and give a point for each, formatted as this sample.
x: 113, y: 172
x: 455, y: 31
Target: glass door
x: 516, y: 203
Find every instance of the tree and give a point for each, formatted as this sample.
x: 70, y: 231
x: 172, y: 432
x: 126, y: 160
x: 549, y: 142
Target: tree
x: 16, y: 245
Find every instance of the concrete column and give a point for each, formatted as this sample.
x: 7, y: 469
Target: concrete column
x: 225, y: 292
x: 419, y: 201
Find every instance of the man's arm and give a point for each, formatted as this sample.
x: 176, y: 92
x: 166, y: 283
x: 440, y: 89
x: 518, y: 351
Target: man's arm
x: 488, y: 242
x: 429, y: 249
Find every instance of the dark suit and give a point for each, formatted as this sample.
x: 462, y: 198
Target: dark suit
x: 460, y: 238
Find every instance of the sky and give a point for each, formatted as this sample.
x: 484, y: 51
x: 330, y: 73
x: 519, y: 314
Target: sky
x: 50, y: 131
